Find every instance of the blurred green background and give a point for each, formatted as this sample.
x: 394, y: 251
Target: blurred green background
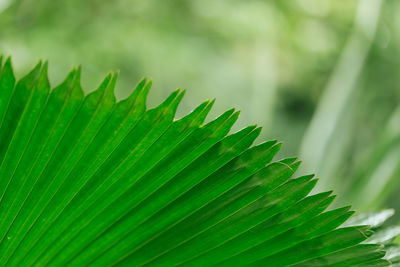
x: 320, y: 76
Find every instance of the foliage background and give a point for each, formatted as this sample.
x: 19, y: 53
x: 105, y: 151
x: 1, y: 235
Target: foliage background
x: 321, y: 76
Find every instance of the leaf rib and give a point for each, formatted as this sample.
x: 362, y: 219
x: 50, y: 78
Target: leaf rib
x: 140, y: 86
x: 58, y: 171
x: 141, y: 175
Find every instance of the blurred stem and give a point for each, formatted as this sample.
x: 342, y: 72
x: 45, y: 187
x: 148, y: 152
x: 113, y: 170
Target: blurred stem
x: 377, y: 175
x: 264, y: 78
x: 339, y: 89
x: 380, y: 183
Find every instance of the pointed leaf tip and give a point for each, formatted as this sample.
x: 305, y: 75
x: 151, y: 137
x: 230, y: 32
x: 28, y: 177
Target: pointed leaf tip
x: 143, y: 80
x: 8, y: 60
x: 329, y: 192
x: 138, y: 90
x: 229, y: 112
x: 254, y: 126
x: 347, y: 208
x: 108, y: 77
x: 332, y: 197
x: 140, y: 86
x: 212, y: 101
x: 182, y: 93
x: 46, y: 65
x: 210, y: 105
x: 147, y: 87
x: 105, y: 82
x: 43, y: 76
x: 37, y: 66
x: 179, y: 97
x: 257, y: 130
x: 7, y: 66
x: 202, y: 106
x: 236, y: 114
x: 70, y: 77
x: 113, y: 82
x: 78, y: 73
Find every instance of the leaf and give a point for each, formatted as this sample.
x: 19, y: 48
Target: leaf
x: 374, y: 219
x: 384, y: 233
x: 88, y: 180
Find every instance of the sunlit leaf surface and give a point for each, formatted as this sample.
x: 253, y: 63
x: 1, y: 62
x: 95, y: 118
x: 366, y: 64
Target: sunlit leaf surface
x: 88, y: 180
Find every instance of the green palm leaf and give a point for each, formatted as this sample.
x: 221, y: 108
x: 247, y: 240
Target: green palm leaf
x: 88, y: 180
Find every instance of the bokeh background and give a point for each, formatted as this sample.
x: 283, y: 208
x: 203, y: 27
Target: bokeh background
x: 320, y: 76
